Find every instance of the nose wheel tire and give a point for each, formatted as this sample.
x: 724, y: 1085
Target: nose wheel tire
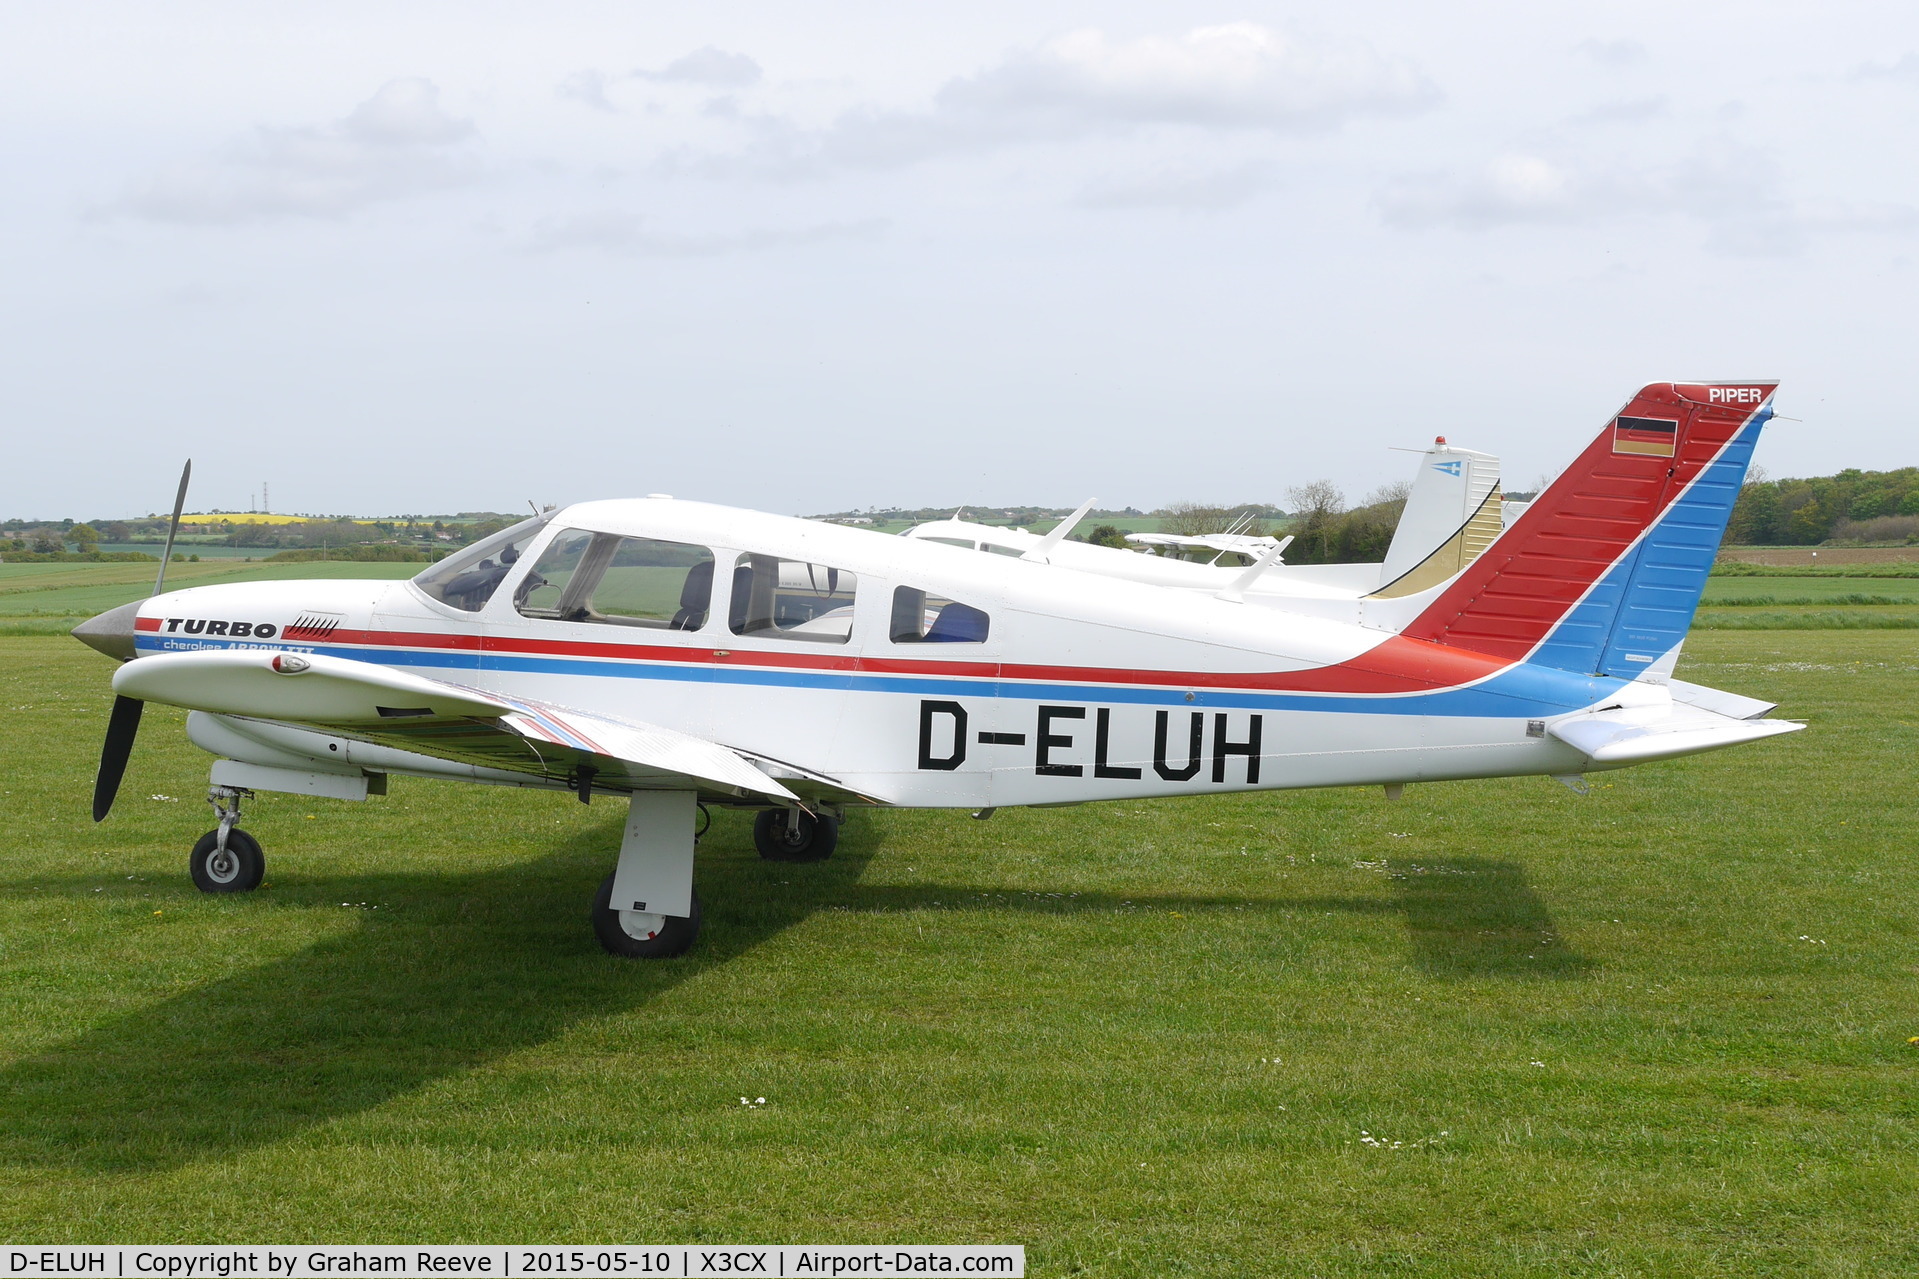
x: 237, y: 868
x: 783, y: 835
x: 638, y: 934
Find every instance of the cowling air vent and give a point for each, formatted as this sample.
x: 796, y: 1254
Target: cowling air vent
x: 313, y: 626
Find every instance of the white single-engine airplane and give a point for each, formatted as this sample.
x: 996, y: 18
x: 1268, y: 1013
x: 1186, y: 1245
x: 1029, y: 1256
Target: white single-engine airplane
x: 685, y: 654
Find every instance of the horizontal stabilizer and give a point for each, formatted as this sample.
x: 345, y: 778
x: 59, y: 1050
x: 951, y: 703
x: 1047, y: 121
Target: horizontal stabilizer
x: 1635, y: 735
x: 1731, y: 705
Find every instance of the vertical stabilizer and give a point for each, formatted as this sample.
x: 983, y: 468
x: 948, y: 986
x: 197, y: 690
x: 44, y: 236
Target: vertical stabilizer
x: 1603, y: 571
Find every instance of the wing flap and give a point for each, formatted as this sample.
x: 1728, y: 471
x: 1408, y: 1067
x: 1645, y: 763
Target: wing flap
x: 643, y: 753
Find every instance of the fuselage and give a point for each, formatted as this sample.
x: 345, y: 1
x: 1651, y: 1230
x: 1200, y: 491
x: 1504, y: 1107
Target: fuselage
x: 823, y: 646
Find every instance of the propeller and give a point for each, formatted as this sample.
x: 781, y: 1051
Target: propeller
x: 123, y: 725
x: 179, y: 503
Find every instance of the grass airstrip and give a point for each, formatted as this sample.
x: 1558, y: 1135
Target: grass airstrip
x: 1490, y: 1029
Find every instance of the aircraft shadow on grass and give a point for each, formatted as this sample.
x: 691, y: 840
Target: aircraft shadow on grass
x: 473, y: 968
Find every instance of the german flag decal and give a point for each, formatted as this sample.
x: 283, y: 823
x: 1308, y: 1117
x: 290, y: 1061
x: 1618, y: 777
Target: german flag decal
x: 1650, y: 436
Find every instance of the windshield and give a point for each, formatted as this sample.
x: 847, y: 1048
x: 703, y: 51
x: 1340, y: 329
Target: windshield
x: 467, y: 579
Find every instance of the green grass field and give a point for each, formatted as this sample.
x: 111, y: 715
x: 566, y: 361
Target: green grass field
x: 51, y: 599
x: 1808, y: 601
x: 1491, y: 1029
x: 1805, y: 588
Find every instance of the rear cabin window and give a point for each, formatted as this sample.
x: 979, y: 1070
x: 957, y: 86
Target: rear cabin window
x: 620, y: 581
x: 921, y: 618
x: 791, y: 600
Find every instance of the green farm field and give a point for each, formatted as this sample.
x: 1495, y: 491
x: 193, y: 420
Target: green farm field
x: 1491, y: 1029
x: 51, y: 599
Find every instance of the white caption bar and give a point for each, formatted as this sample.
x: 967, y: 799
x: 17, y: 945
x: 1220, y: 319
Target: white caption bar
x: 499, y: 1261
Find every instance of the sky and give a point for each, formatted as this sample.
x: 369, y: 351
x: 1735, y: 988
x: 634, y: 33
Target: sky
x: 426, y: 257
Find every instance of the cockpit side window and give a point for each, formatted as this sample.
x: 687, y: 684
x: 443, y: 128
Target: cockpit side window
x: 467, y: 579
x: 791, y: 600
x: 664, y: 585
x: 921, y: 618
x: 620, y: 581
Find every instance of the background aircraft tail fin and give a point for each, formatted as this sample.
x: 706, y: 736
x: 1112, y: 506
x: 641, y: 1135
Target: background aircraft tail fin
x: 1451, y: 516
x: 1603, y: 571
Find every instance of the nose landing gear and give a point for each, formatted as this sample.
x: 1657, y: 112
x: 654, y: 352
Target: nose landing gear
x: 795, y: 835
x: 227, y: 859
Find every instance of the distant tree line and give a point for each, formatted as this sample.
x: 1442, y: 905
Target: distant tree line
x: 1325, y: 530
x: 362, y: 553
x: 425, y: 538
x: 1852, y: 506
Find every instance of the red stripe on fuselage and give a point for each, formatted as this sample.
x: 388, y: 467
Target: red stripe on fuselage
x: 1395, y: 666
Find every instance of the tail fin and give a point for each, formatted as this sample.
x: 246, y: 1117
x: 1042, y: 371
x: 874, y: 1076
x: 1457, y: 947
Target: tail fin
x: 1451, y: 516
x: 1602, y: 573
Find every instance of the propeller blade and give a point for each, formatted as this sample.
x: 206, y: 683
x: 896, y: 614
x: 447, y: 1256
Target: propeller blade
x: 122, y: 726
x: 179, y: 504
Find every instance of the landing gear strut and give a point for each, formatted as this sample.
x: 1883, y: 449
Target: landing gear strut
x: 646, y: 908
x: 227, y: 859
x: 795, y: 835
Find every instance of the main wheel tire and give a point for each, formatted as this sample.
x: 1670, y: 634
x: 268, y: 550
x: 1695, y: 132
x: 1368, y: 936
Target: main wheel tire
x: 635, y: 934
x: 237, y: 869
x: 785, y: 835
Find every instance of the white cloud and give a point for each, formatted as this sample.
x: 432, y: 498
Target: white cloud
x: 1511, y: 188
x: 1905, y: 70
x: 1612, y: 53
x: 709, y: 66
x: 1237, y: 76
x: 1735, y: 192
x: 1721, y: 184
x: 1241, y: 76
x: 627, y: 234
x: 399, y: 142
x: 1624, y: 111
x: 588, y: 87
x: 1197, y: 190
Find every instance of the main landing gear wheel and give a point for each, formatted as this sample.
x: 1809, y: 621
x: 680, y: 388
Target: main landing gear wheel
x: 787, y: 835
x: 237, y: 868
x: 639, y: 934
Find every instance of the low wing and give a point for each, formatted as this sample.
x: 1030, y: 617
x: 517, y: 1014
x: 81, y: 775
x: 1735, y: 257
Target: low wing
x: 372, y: 703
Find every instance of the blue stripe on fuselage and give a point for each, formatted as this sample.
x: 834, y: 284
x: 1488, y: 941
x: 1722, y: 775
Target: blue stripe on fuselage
x: 1526, y: 690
